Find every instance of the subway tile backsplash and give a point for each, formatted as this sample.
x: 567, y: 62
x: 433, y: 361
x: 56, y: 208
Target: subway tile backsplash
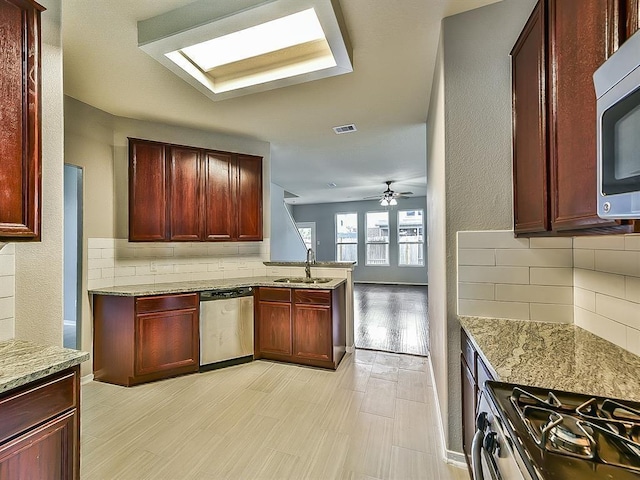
x: 591, y: 281
x: 113, y: 262
x: 7, y: 291
x: 529, y: 279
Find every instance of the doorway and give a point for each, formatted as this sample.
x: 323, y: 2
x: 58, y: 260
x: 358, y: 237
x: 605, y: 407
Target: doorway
x: 72, y: 255
x: 391, y: 318
x: 307, y: 231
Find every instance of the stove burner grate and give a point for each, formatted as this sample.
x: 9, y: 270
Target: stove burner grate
x: 604, y: 431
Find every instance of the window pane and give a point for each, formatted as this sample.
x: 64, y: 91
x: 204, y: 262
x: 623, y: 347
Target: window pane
x: 346, y: 237
x: 410, y: 237
x: 411, y: 254
x: 347, y: 252
x: 347, y: 228
x: 378, y: 227
x: 377, y: 254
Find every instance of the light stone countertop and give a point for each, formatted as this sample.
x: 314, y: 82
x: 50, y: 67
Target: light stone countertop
x: 552, y: 355
x: 23, y: 362
x: 202, y: 285
x: 315, y: 264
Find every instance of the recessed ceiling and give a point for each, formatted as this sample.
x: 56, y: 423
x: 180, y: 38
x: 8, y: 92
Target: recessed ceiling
x: 387, y: 94
x: 225, y: 53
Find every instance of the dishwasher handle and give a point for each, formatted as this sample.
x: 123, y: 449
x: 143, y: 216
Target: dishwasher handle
x: 209, y: 295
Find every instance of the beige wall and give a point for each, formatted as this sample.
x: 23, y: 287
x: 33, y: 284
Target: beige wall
x: 436, y: 237
x: 7, y: 290
x: 476, y: 113
x: 97, y: 141
x: 38, y: 265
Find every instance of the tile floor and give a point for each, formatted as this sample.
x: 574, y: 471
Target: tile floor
x: 374, y: 418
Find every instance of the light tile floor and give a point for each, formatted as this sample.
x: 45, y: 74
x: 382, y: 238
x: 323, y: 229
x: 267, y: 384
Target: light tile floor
x: 373, y: 418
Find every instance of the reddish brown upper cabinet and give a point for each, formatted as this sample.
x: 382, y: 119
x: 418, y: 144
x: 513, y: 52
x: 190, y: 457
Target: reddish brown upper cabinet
x: 632, y: 13
x: 20, y: 120
x: 179, y: 193
x: 554, y: 115
x: 184, y: 186
x: 530, y: 150
x: 147, y: 191
x: 249, y: 198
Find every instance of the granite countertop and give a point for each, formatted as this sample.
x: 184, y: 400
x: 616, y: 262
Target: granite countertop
x: 552, y: 355
x: 315, y: 264
x: 22, y: 362
x: 201, y: 285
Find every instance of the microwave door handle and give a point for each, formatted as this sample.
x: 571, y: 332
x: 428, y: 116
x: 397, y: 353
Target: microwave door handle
x: 476, y: 455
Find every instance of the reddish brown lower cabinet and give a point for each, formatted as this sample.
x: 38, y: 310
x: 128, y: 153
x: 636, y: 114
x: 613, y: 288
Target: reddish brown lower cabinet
x: 473, y: 374
x: 304, y: 326
x: 40, y: 429
x: 140, y: 339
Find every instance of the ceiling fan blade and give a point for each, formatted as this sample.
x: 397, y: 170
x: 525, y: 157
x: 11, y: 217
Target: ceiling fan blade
x: 372, y: 197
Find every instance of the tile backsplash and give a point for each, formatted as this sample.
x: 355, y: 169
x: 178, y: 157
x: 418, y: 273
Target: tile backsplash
x: 7, y: 290
x: 505, y: 277
x: 591, y: 281
x: 113, y: 262
x: 606, y: 278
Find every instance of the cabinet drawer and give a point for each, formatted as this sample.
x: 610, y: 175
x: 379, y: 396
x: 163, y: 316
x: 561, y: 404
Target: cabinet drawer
x: 275, y: 294
x: 314, y: 297
x: 23, y: 409
x: 166, y: 302
x: 468, y: 352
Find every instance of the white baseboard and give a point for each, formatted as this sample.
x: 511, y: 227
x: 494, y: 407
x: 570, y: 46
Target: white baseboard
x: 456, y: 459
x: 351, y: 349
x: 86, y: 379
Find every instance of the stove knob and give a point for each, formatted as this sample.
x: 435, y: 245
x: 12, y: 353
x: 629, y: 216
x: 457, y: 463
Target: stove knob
x: 481, y: 421
x: 491, y: 442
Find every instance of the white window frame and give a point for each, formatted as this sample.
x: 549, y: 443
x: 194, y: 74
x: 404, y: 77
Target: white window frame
x: 367, y: 242
x: 420, y: 243
x: 335, y: 237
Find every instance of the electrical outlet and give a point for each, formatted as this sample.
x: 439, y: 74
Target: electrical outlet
x: 154, y: 267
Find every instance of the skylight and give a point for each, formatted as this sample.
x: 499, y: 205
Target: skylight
x: 237, y: 53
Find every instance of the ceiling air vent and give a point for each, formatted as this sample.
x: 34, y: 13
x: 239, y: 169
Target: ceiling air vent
x: 345, y: 129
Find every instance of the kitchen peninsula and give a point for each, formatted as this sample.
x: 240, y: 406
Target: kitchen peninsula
x: 149, y: 332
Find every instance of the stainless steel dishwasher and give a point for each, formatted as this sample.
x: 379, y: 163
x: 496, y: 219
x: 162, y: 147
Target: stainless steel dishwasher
x: 226, y: 327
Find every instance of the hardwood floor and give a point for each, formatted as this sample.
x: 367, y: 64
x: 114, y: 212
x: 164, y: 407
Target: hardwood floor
x: 391, y: 318
x: 373, y: 418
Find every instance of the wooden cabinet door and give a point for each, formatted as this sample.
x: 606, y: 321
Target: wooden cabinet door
x: 249, y: 198
x: 166, y: 340
x: 582, y: 35
x: 312, y: 332
x: 184, y: 183
x: 274, y: 335
x: 20, y: 125
x: 219, y: 196
x: 147, y: 191
x: 469, y: 395
x: 530, y: 153
x: 632, y: 17
x: 46, y: 452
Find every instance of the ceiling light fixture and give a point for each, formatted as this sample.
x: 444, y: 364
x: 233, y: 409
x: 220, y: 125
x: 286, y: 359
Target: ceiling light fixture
x: 263, y: 46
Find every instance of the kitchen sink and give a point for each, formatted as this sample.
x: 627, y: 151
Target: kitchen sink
x: 303, y: 280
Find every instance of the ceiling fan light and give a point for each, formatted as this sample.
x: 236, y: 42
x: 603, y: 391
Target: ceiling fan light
x: 393, y: 201
x: 384, y: 202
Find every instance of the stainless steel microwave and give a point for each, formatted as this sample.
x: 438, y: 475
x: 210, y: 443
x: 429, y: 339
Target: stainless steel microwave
x: 617, y: 84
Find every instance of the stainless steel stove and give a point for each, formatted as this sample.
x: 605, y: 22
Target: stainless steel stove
x: 539, y: 434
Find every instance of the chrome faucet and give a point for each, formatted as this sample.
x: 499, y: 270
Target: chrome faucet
x: 307, y: 265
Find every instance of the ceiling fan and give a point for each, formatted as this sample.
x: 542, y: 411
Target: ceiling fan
x: 388, y: 197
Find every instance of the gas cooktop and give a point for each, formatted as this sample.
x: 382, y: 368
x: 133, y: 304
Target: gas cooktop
x: 564, y: 435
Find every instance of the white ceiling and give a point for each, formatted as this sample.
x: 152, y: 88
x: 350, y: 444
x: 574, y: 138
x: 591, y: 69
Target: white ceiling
x: 394, y: 47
